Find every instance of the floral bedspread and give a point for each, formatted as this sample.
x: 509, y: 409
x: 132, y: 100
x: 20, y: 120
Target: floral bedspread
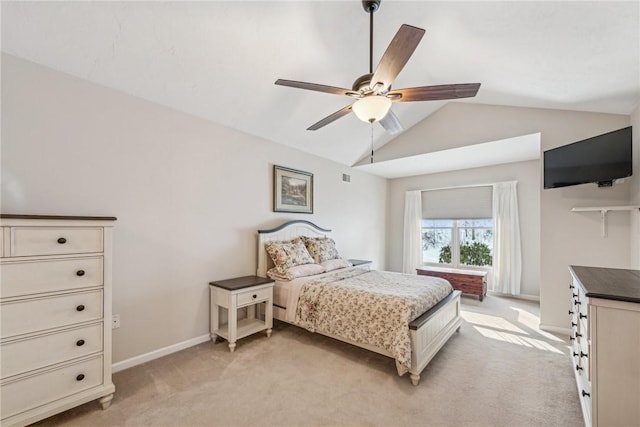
x: 370, y: 307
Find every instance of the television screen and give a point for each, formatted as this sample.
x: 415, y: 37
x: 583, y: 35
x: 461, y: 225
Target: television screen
x: 600, y: 159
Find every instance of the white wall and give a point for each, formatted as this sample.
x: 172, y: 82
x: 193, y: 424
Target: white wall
x: 528, y: 176
x: 565, y: 238
x: 189, y: 194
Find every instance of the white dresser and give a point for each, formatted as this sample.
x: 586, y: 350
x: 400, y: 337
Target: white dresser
x: 605, y: 344
x: 55, y: 311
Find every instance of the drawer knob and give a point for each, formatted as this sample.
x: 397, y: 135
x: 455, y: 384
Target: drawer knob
x: 80, y: 377
x: 571, y: 286
x: 583, y: 354
x: 255, y: 296
x: 571, y: 338
x: 80, y: 307
x: 574, y: 324
x: 583, y: 316
x: 578, y: 368
x: 584, y: 393
x: 570, y: 312
x: 575, y: 295
x: 576, y: 302
x: 578, y: 335
x: 80, y: 273
x: 62, y: 240
x: 80, y: 343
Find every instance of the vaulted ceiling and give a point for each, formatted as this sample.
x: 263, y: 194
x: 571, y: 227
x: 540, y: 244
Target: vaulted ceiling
x: 219, y: 60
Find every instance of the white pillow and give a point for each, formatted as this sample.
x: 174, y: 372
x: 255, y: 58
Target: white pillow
x: 296, y: 271
x: 334, y: 264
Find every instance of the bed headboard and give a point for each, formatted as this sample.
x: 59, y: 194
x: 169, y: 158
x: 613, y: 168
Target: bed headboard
x: 286, y: 231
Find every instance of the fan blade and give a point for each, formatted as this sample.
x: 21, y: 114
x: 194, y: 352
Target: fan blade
x: 400, y: 49
x: 390, y: 123
x: 318, y: 88
x: 434, y: 93
x: 331, y: 118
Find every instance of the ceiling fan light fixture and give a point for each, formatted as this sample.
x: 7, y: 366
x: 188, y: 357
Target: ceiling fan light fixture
x: 372, y: 91
x: 372, y: 108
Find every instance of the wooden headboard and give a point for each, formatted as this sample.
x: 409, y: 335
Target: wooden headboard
x: 286, y: 231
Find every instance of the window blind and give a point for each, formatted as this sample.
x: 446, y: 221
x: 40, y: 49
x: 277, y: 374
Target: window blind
x: 458, y: 203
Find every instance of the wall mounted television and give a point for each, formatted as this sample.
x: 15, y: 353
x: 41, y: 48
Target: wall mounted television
x: 600, y: 159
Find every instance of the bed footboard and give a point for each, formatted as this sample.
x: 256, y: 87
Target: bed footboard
x: 431, y: 331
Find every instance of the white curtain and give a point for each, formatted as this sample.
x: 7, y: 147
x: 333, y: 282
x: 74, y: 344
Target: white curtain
x: 412, y: 247
x: 507, y: 255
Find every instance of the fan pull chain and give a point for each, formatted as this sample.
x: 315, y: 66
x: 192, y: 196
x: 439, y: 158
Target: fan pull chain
x: 371, y: 141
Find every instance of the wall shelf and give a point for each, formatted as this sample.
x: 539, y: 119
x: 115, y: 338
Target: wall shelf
x: 603, y: 213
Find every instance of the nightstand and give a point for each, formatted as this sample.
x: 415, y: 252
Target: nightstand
x: 360, y: 262
x: 232, y: 294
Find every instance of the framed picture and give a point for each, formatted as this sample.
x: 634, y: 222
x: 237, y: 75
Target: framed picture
x: 292, y: 190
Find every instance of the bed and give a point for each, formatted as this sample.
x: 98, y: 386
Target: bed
x: 413, y: 333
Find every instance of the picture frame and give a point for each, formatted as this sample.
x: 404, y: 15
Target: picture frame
x: 292, y: 190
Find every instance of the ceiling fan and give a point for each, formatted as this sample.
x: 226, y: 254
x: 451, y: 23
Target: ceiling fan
x: 373, y: 90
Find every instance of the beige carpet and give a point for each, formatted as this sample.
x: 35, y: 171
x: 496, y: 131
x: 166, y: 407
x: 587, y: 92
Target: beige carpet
x: 500, y: 370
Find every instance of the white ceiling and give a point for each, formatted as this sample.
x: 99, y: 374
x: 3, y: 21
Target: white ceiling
x: 219, y: 60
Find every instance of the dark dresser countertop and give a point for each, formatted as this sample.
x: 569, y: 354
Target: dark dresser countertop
x: 59, y: 217
x: 357, y: 262
x: 609, y: 283
x: 241, y: 282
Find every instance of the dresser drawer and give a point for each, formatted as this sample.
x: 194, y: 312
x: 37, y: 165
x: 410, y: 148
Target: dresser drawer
x: 585, y: 357
x: 32, y: 315
x: 31, y: 277
x: 252, y: 297
x: 36, y: 390
x: 585, y: 398
x: 38, y: 352
x: 581, y: 302
x: 27, y: 241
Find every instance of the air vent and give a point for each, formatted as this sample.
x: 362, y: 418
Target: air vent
x: 346, y: 178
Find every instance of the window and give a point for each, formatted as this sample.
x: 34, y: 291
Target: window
x: 458, y: 243
x: 437, y: 237
x: 457, y: 227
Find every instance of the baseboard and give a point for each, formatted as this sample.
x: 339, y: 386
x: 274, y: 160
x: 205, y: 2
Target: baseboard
x: 528, y: 297
x: 555, y: 329
x: 155, y: 354
x: 521, y: 296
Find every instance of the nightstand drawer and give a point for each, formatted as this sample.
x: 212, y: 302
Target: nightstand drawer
x: 27, y: 241
x: 251, y: 297
x: 34, y: 353
x: 31, y: 391
x: 32, y: 277
x: 38, y: 314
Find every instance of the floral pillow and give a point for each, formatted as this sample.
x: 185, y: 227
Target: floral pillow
x: 296, y: 271
x: 321, y: 248
x: 287, y: 254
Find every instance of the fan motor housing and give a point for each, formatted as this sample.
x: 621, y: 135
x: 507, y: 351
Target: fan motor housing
x: 362, y: 82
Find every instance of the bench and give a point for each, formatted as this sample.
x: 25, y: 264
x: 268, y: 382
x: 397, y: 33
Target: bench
x: 472, y: 282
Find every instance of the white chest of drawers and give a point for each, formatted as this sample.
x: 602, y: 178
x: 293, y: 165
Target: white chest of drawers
x: 55, y: 311
x: 605, y: 344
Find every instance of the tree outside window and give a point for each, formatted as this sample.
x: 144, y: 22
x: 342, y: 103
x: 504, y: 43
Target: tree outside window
x: 456, y: 243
